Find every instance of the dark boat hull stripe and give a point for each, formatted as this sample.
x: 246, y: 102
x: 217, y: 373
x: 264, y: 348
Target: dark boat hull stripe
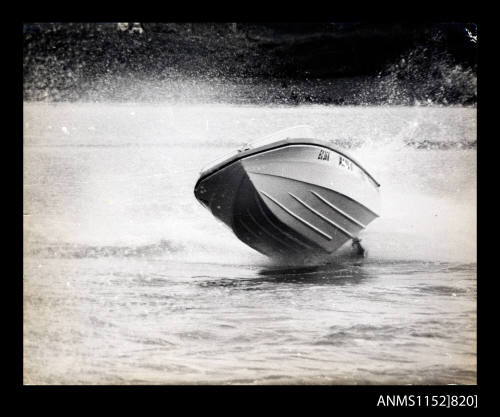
x: 297, y: 217
x: 321, y: 216
x: 267, y: 233
x: 279, y: 229
x: 343, y: 213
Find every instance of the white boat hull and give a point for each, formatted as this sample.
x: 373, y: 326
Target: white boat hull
x: 294, y: 199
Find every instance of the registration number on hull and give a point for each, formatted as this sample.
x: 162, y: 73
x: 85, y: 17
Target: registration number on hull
x: 344, y: 162
x: 324, y: 155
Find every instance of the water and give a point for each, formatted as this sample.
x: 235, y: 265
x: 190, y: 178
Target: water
x: 128, y: 279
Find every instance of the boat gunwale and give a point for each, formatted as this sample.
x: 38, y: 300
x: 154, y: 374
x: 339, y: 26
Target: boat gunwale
x: 275, y: 145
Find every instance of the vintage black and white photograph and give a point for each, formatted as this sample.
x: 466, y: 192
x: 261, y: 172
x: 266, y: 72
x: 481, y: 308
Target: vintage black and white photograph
x: 249, y: 203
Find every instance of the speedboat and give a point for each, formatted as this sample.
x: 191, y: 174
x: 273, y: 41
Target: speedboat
x: 291, y: 195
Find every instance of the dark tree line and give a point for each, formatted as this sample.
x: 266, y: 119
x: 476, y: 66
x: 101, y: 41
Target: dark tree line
x: 343, y: 63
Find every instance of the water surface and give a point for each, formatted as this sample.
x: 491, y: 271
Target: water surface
x: 128, y: 279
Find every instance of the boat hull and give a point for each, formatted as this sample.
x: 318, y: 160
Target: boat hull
x: 294, y: 200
